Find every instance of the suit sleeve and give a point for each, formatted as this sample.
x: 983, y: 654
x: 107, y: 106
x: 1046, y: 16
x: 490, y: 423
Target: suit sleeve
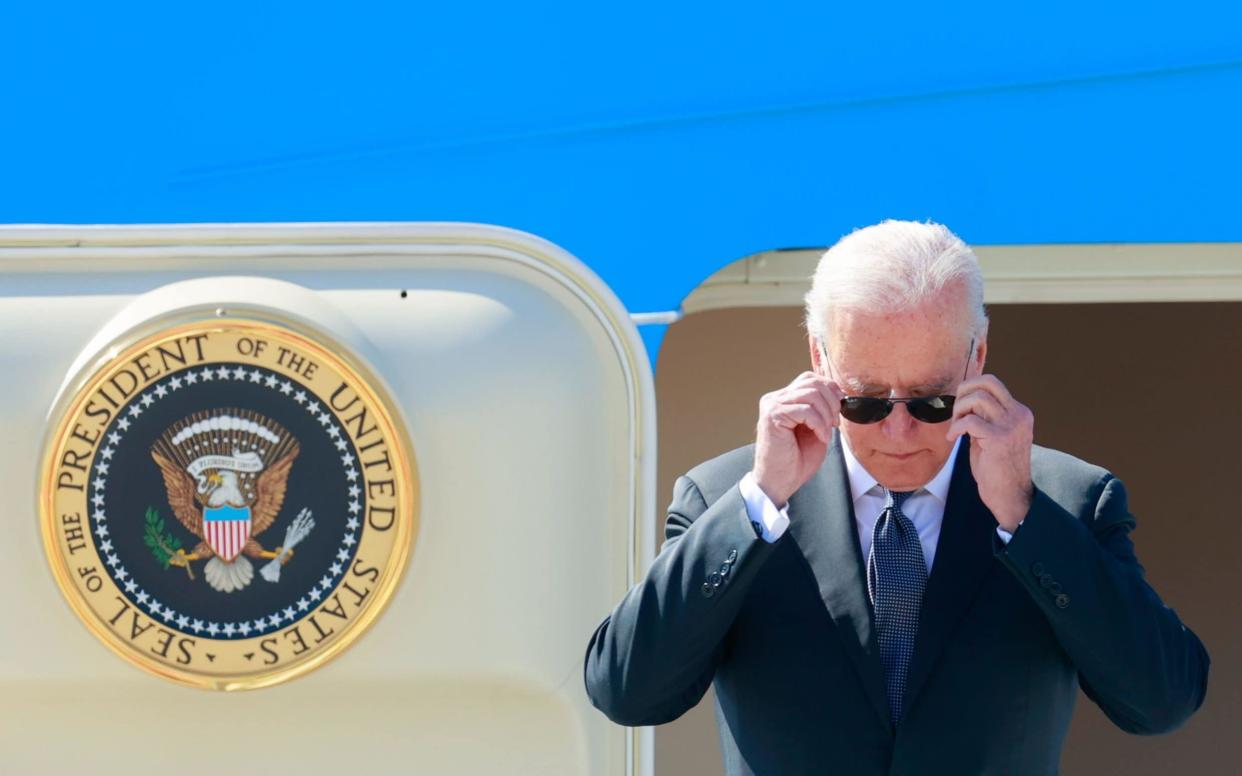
x: 1135, y: 659
x: 653, y: 658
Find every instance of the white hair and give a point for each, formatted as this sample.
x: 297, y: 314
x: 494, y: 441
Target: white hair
x: 893, y: 266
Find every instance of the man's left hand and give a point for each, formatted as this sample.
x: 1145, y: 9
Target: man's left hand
x: 1001, y: 431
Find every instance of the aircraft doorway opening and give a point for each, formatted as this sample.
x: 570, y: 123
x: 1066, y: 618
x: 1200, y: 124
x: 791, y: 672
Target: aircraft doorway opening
x: 1099, y: 341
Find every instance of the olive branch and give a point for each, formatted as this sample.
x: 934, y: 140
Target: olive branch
x: 163, y: 544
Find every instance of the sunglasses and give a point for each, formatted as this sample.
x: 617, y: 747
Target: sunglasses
x: 873, y: 409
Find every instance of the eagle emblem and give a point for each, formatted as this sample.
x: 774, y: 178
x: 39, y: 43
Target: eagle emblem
x: 226, y: 473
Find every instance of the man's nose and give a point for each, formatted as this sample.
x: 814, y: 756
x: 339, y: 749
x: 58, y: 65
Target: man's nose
x: 900, y: 424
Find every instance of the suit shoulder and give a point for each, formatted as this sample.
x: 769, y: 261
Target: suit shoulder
x: 1060, y: 462
x: 716, y: 475
x: 1070, y: 481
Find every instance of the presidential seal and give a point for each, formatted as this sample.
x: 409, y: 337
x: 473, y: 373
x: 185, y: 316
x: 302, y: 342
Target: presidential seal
x: 227, y: 503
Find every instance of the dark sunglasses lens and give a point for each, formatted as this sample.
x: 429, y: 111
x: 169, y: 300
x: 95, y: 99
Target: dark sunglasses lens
x: 933, y: 409
x: 865, y: 409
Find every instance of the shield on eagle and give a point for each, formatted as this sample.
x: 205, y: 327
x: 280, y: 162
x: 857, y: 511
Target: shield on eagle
x: 226, y: 529
x: 226, y: 472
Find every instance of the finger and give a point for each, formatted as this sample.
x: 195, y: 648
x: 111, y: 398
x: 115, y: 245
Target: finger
x: 979, y: 403
x: 803, y: 379
x: 974, y: 425
x: 808, y: 377
x: 832, y: 393
x: 819, y: 395
x: 992, y: 385
x: 791, y: 416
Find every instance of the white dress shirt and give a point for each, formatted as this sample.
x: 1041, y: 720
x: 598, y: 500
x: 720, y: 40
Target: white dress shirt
x: 924, y: 507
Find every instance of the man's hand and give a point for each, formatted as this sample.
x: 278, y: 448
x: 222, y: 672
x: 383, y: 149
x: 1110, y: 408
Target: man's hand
x: 794, y: 430
x: 1001, y: 433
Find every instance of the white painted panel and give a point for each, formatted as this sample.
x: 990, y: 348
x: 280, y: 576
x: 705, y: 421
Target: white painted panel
x: 529, y: 405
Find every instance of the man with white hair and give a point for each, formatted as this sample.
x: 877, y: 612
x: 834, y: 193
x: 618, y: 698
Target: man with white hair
x: 893, y: 579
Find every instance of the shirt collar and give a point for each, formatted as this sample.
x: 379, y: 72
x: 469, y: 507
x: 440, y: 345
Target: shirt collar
x: 861, y: 481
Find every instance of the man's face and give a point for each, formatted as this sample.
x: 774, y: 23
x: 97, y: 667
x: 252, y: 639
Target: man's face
x: 919, y: 352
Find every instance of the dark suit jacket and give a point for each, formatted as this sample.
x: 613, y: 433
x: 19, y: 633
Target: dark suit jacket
x: 1007, y: 634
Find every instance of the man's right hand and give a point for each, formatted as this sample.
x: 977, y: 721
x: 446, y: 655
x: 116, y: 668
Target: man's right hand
x: 794, y: 430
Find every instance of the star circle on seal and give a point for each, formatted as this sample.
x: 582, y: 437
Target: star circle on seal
x: 228, y: 504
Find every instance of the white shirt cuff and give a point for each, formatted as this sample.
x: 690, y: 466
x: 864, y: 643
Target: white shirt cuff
x: 1004, y: 535
x: 761, y: 510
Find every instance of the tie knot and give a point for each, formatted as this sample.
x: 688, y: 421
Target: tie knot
x: 895, y: 498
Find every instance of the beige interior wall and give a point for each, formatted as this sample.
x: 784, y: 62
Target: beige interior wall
x: 1153, y: 392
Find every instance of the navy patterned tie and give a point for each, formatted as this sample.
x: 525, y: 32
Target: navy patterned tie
x: 896, y: 577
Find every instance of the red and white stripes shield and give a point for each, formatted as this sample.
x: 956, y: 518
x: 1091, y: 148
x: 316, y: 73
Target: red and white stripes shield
x: 226, y: 530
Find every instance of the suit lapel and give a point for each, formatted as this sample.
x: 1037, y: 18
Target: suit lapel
x: 821, y: 522
x: 963, y: 557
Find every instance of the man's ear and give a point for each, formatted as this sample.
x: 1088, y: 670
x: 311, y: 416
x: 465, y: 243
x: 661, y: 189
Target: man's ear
x: 980, y: 356
x: 816, y: 354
